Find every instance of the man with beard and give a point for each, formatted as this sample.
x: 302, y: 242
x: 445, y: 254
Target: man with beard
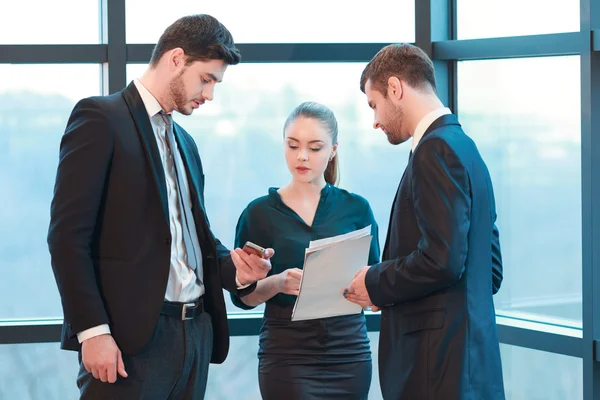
x: 138, y: 269
x: 441, y: 260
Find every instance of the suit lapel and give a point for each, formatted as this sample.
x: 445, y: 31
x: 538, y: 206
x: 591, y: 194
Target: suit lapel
x: 148, y: 140
x: 387, y: 236
x: 448, y: 119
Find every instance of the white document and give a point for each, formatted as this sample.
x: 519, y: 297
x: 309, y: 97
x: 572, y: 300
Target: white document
x: 315, y: 244
x: 329, y: 266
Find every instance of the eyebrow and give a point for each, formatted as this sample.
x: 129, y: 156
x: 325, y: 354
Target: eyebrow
x: 214, y: 78
x: 312, y: 141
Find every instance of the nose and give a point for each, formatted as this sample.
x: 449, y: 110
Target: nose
x: 376, y: 124
x: 208, y: 93
x: 302, y: 155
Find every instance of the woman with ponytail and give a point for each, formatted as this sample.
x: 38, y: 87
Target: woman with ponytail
x: 327, y: 358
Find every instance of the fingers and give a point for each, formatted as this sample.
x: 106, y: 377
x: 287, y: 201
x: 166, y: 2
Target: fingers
x: 375, y: 308
x: 269, y: 253
x: 296, y: 273
x: 103, y: 373
x: 121, y: 366
x: 250, y: 265
x: 242, y: 269
x: 358, y: 299
x: 292, y: 282
x: 235, y: 257
x: 111, y: 372
x: 102, y: 358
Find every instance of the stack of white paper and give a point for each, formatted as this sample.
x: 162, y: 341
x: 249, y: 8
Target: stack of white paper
x: 329, y: 266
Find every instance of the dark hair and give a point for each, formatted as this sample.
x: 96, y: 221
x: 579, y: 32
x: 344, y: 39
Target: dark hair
x: 202, y: 38
x: 325, y: 116
x: 404, y: 61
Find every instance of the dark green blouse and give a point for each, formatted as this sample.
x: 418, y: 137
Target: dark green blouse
x: 268, y: 222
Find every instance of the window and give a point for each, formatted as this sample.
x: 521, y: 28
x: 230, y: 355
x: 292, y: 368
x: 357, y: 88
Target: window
x: 38, y: 371
x: 486, y: 18
x: 524, y: 115
x: 43, y: 371
x: 533, y: 374
x: 272, y: 21
x: 50, y: 22
x: 34, y: 109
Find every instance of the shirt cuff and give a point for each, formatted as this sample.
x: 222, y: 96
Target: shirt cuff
x: 239, y: 285
x: 93, y: 332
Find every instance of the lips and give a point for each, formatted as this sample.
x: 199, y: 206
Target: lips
x: 302, y: 170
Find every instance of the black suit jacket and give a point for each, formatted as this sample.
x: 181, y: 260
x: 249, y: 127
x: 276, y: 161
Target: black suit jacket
x: 109, y: 234
x: 441, y: 265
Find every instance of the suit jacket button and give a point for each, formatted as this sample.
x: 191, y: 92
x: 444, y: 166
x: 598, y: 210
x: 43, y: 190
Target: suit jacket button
x: 168, y: 241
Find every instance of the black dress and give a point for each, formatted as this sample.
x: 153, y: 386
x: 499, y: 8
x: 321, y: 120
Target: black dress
x: 326, y: 358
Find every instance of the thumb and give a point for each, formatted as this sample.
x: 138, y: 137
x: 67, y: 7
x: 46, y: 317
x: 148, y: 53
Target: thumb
x: 375, y: 308
x: 269, y: 253
x: 121, y: 366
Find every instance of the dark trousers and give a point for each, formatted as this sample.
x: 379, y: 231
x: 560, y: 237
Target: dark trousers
x: 173, y: 366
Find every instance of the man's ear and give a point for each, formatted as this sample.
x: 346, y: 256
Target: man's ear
x: 176, y: 58
x: 395, y: 88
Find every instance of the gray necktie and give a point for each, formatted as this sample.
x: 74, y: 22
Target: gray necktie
x: 190, y: 235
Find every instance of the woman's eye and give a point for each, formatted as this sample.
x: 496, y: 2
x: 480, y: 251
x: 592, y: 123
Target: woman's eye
x: 291, y: 146
x: 316, y: 149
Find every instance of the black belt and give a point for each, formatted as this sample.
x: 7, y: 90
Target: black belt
x: 183, y: 310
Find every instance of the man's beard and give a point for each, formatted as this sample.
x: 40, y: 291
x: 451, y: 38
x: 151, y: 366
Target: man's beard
x: 177, y: 91
x: 394, y: 129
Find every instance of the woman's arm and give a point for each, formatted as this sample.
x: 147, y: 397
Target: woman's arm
x: 287, y: 282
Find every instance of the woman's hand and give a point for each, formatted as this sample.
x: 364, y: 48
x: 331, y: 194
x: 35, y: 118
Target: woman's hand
x: 288, y: 281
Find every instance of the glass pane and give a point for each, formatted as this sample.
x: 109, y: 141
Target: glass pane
x: 38, y: 371
x: 43, y: 371
x: 50, y: 22
x: 273, y: 21
x: 490, y: 18
x: 33, y: 114
x: 239, y: 136
x: 538, y: 375
x: 526, y: 122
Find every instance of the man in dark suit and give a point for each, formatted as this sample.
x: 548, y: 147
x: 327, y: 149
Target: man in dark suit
x: 139, y: 271
x: 441, y: 261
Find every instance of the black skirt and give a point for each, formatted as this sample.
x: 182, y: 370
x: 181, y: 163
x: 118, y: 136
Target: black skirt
x: 326, y: 358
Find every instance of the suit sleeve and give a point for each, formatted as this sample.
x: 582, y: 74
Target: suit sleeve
x: 227, y: 268
x: 84, y: 161
x: 442, y: 202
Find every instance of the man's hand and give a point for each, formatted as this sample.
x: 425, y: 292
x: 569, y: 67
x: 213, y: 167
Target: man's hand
x: 357, y: 291
x: 102, y: 358
x: 288, y: 281
x: 249, y: 267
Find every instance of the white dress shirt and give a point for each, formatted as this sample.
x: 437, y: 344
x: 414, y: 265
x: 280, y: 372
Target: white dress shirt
x: 183, y: 284
x: 425, y: 122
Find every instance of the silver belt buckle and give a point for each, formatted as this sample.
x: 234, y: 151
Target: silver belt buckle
x: 184, y: 309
